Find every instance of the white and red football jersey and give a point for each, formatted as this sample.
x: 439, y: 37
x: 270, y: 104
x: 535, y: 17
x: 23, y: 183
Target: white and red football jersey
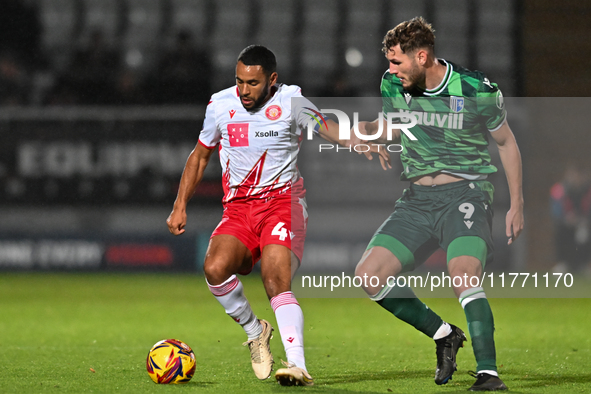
x: 258, y: 149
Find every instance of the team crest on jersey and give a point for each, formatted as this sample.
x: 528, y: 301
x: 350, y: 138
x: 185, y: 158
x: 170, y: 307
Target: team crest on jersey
x: 273, y: 112
x: 456, y: 103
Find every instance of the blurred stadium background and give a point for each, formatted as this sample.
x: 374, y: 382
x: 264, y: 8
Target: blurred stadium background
x: 101, y: 101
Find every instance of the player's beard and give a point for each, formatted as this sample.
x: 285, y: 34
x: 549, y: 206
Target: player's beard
x: 416, y: 79
x: 258, y: 103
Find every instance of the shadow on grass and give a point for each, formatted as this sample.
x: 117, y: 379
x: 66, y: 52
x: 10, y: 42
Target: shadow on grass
x: 321, y: 389
x: 322, y: 385
x: 196, y: 384
x: 369, y: 376
x: 517, y: 383
x: 534, y: 380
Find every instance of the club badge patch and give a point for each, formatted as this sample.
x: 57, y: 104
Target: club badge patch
x: 273, y: 112
x: 456, y: 103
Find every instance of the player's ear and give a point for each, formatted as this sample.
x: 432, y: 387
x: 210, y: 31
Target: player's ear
x: 421, y: 56
x: 273, y: 78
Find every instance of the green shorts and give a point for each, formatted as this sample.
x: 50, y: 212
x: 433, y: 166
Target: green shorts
x: 426, y: 218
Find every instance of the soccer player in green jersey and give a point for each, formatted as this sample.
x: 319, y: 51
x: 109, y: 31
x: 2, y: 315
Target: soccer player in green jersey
x: 449, y: 202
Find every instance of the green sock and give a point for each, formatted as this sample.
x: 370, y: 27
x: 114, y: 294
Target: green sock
x: 482, y: 326
x: 404, y: 304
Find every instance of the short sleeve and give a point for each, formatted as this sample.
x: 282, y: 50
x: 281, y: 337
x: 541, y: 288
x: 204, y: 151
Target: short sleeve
x: 210, y: 135
x: 491, y: 105
x: 303, y: 111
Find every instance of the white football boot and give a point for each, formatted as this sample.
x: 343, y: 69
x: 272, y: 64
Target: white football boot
x: 260, y: 352
x: 293, y: 376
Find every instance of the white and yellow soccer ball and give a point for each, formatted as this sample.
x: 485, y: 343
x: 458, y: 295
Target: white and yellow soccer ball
x: 171, y: 361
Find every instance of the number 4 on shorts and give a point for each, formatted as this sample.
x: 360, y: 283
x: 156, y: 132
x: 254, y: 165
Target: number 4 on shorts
x: 280, y: 231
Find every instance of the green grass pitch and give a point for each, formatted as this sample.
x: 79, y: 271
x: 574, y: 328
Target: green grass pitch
x: 90, y: 333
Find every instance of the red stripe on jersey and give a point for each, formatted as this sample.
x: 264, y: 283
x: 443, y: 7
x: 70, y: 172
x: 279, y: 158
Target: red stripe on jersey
x: 226, y: 178
x: 208, y: 147
x: 250, y: 181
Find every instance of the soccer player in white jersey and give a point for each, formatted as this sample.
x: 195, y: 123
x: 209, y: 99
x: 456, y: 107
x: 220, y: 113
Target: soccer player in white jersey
x: 264, y: 207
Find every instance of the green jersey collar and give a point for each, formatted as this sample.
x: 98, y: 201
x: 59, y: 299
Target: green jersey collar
x: 444, y: 81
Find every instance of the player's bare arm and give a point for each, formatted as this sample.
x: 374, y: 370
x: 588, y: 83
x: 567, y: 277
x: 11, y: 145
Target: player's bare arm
x: 511, y: 159
x: 331, y: 134
x: 192, y: 175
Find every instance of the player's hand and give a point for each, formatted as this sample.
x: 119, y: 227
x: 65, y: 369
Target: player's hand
x: 373, y: 148
x: 383, y: 155
x: 355, y: 141
x: 176, y: 222
x: 514, y: 223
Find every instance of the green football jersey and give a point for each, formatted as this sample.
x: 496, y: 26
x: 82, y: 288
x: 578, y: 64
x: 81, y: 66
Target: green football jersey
x: 453, y: 122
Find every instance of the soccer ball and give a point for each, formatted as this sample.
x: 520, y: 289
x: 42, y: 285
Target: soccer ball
x: 171, y: 361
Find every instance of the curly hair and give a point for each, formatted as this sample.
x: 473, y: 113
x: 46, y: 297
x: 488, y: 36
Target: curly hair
x: 411, y: 35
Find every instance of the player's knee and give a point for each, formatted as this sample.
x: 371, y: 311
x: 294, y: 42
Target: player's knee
x: 366, y: 274
x: 360, y: 270
x: 215, y: 272
x: 465, y: 265
x: 363, y: 265
x: 275, y: 285
x: 466, y: 255
x: 372, y: 264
